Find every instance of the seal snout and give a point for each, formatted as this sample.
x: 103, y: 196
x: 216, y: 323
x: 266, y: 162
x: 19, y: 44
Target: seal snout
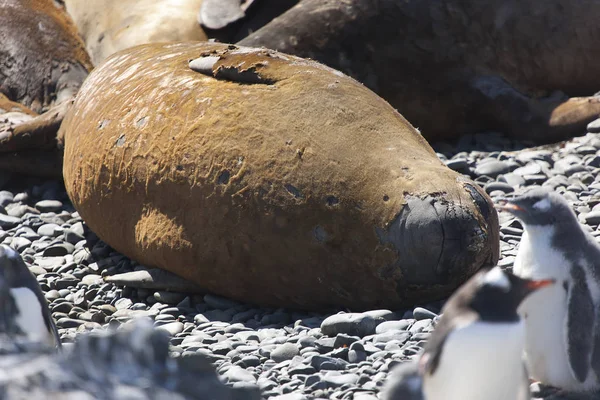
x: 443, y: 241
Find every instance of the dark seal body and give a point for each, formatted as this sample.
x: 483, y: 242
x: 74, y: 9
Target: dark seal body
x: 458, y: 66
x: 42, y: 57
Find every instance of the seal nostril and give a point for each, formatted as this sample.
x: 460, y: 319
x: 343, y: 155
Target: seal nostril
x: 490, y: 216
x: 479, y: 200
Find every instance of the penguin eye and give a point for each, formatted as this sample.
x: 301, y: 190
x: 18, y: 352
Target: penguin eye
x: 542, y: 205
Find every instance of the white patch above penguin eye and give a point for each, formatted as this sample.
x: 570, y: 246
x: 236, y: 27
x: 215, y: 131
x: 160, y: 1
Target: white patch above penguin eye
x: 11, y: 253
x: 497, y: 278
x: 542, y: 205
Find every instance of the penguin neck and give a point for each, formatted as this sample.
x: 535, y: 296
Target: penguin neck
x: 538, y: 257
x: 534, y: 248
x: 540, y: 236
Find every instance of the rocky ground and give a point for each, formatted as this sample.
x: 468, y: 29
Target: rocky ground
x: 291, y: 355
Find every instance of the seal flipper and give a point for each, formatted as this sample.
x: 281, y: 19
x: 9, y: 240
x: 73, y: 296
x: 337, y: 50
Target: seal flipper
x: 217, y: 14
x: 37, y: 133
x: 580, y: 324
x: 541, y: 120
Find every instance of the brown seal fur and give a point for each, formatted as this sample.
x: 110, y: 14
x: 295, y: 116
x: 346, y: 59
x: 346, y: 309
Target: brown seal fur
x: 270, y: 179
x: 42, y: 57
x: 108, y: 26
x: 457, y: 66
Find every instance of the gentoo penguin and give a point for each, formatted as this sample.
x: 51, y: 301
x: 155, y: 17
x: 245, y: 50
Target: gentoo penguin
x: 23, y: 309
x: 562, y: 346
x: 403, y: 383
x: 476, y: 350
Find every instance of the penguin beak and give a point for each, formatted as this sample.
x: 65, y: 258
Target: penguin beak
x: 505, y: 205
x: 534, y: 285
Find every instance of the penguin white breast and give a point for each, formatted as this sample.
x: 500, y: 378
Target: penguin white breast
x: 30, y: 318
x: 538, y: 259
x: 479, y: 361
x: 545, y: 311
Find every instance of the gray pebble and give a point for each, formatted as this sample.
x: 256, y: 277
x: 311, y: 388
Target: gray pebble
x: 8, y: 222
x: 492, y: 168
x: 238, y: 374
x: 420, y: 313
x: 352, y: 324
x: 594, y: 126
x: 52, y: 295
x: 400, y: 336
x: 59, y: 249
x: 458, y: 164
x: 401, y: 325
x: 420, y: 325
x: 329, y: 363
x: 168, y: 297
x: 335, y: 379
x: 48, y: 230
x: 592, y: 218
x: 69, y: 323
x: 48, y: 205
x: 512, y: 179
x: 284, y: 352
x: 498, y: 186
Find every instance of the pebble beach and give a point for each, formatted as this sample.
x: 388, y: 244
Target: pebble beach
x: 289, y: 354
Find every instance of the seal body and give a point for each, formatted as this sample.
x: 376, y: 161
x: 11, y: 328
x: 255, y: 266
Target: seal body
x: 111, y: 25
x: 43, y: 60
x: 269, y: 178
x: 458, y: 66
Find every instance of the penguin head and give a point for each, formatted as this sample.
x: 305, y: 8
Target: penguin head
x: 539, y: 206
x: 11, y: 269
x: 498, y: 294
x: 24, y: 313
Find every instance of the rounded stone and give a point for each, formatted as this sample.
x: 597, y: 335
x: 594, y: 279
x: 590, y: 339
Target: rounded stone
x: 329, y: 208
x: 353, y: 324
x: 172, y: 328
x: 420, y: 313
x: 594, y: 126
x: 284, y: 352
x: 48, y: 205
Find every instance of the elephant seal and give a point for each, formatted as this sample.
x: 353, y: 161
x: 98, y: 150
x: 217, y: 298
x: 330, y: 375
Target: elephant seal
x: 270, y: 179
x: 454, y: 67
x: 111, y: 25
x: 42, y: 60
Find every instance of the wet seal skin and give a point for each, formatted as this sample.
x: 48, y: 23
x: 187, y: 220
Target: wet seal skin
x: 458, y: 66
x: 270, y: 179
x: 43, y: 60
